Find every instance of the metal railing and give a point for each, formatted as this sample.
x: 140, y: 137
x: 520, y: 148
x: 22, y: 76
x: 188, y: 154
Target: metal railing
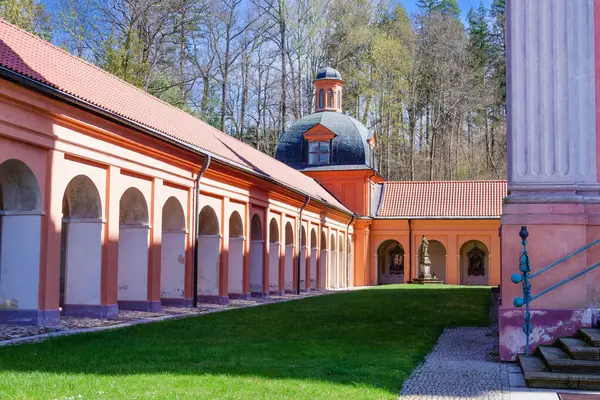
x: 526, y: 276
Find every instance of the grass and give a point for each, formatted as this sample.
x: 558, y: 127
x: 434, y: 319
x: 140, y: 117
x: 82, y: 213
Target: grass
x: 355, y: 345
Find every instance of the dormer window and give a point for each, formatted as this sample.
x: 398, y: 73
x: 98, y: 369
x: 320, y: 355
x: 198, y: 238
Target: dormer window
x: 330, y: 98
x: 318, y: 152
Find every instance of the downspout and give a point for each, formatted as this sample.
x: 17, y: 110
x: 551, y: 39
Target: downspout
x: 205, y: 166
x: 410, y: 250
x: 347, y: 252
x: 300, y: 240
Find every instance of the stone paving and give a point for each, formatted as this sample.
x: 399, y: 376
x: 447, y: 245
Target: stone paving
x: 462, y: 365
x: 11, y: 334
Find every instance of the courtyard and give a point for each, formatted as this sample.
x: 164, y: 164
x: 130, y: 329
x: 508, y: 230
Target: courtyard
x: 354, y: 345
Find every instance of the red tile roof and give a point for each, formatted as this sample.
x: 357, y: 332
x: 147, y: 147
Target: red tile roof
x: 442, y: 199
x: 45, y: 63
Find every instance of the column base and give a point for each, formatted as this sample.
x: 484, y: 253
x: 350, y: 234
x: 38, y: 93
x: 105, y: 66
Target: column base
x: 211, y: 299
x: 176, y: 302
x: 239, y: 296
x: 38, y: 318
x: 91, y: 311
x: 140, y: 305
x: 548, y: 325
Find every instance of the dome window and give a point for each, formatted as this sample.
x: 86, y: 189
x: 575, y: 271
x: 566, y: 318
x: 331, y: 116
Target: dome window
x: 321, y: 98
x: 318, y: 152
x: 330, y: 98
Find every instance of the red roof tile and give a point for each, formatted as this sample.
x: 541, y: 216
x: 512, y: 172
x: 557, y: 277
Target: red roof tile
x: 45, y: 63
x: 442, y: 199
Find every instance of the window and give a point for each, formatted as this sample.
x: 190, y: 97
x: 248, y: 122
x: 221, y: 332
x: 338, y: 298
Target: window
x: 330, y: 98
x: 321, y: 98
x: 339, y: 99
x: 318, y: 153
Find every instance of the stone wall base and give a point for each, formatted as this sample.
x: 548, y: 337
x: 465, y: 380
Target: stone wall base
x: 91, y: 311
x: 30, y: 317
x: 140, y: 305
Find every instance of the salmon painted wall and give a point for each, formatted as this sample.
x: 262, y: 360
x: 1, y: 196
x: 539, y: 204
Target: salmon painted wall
x: 58, y: 142
x: 451, y: 234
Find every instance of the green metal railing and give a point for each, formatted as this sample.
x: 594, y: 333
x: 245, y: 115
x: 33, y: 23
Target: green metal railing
x: 526, y: 276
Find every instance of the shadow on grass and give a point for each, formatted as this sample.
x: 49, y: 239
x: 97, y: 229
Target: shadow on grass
x: 369, y: 338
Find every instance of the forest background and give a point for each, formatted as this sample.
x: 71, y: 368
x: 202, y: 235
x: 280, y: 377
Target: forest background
x: 430, y: 83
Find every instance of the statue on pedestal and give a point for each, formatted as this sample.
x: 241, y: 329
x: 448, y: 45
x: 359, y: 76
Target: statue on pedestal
x: 425, y: 274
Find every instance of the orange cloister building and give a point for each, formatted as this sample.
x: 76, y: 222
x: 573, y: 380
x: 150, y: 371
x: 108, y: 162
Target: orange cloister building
x: 111, y: 199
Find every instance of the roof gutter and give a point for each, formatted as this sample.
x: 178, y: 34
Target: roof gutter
x: 56, y: 93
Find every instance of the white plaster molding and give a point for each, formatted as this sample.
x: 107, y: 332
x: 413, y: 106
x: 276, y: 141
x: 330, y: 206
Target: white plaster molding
x: 84, y: 220
x: 135, y: 226
x: 20, y: 212
x: 551, y: 92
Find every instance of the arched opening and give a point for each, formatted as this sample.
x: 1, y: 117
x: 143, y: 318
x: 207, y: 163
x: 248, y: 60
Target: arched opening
x: 390, y: 263
x: 330, y: 98
x: 322, y: 284
x: 20, y: 232
x: 236, y: 256
x: 274, y: 250
x: 437, y: 257
x: 342, y: 263
x: 81, y: 248
x: 133, y: 252
x: 312, y: 278
x: 332, y: 262
x: 172, y: 266
x: 256, y: 256
x: 288, y: 270
x: 303, y: 258
x: 209, y: 255
x: 474, y: 263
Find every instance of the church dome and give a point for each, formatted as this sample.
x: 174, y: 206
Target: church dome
x: 349, y: 147
x: 328, y: 73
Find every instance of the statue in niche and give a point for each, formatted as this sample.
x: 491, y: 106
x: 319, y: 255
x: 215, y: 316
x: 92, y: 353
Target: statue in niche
x: 476, y: 261
x: 397, y: 264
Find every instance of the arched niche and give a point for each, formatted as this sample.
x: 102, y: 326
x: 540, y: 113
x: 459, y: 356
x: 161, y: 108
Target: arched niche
x: 133, y: 252
x: 342, y: 266
x: 474, y: 261
x: 322, y: 284
x: 274, y: 255
x: 350, y: 263
x: 81, y: 248
x: 20, y: 233
x: 133, y: 209
x: 256, y: 256
x: 437, y: 257
x: 236, y: 255
x: 19, y: 188
x: 390, y: 262
x: 312, y: 270
x: 209, y: 255
x: 208, y: 223
x: 333, y: 265
x: 288, y: 270
x: 172, y: 267
x: 303, y: 258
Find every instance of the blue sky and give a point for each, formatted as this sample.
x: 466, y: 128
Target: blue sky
x: 465, y: 5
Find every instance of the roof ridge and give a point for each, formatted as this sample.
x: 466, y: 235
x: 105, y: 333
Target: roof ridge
x: 90, y: 64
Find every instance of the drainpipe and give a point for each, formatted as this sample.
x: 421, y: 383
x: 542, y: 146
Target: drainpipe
x: 197, y: 221
x: 347, y: 252
x: 300, y: 240
x: 410, y: 250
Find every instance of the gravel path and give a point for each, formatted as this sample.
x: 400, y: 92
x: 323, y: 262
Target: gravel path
x: 11, y: 334
x: 462, y: 365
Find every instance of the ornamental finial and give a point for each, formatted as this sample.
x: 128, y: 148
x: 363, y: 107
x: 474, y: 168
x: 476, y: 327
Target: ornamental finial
x: 523, y: 233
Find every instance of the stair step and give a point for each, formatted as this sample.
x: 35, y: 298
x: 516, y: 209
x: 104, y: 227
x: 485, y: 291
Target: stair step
x: 579, y: 349
x: 537, y: 375
x: 559, y: 361
x: 590, y: 335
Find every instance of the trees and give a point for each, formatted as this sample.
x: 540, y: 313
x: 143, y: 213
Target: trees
x: 432, y: 88
x: 27, y: 14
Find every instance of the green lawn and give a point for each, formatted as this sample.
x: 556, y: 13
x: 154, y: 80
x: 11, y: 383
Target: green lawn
x: 356, y: 345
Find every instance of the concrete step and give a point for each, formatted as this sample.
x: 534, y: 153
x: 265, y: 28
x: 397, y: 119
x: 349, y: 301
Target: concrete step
x: 537, y: 375
x: 579, y: 349
x: 590, y: 335
x: 559, y: 361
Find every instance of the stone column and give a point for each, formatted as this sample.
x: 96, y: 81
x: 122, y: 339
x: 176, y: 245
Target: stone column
x: 552, y: 163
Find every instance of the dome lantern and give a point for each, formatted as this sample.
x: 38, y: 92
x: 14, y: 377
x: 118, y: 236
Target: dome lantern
x: 328, y: 90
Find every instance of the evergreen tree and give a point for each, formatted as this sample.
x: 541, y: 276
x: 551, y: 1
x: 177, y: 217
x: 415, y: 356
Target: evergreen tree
x: 446, y: 7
